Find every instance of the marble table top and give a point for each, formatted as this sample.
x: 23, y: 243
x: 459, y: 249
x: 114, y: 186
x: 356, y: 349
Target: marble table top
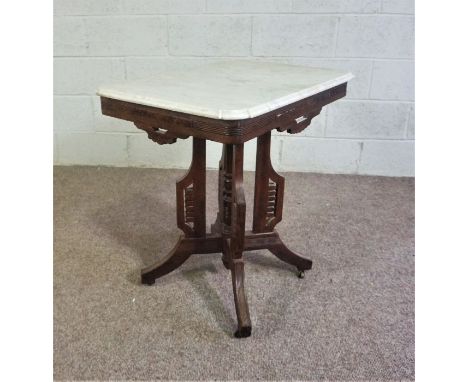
x: 229, y: 90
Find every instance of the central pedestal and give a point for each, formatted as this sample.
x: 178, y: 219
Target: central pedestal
x: 228, y: 235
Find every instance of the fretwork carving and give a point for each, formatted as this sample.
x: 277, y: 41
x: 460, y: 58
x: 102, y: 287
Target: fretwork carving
x: 227, y: 202
x: 160, y: 136
x: 294, y: 125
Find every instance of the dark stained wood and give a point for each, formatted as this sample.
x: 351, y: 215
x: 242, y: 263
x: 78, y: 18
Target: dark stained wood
x: 191, y: 193
x: 233, y: 238
x: 222, y: 223
x: 272, y: 242
x: 269, y: 189
x: 228, y: 235
x: 185, y: 247
x: 242, y: 310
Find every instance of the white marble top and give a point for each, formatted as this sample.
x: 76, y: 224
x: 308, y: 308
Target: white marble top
x: 227, y: 90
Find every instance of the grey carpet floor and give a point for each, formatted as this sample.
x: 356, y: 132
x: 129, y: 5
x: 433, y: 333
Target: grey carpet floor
x: 350, y: 318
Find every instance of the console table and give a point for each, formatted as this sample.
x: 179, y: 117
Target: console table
x: 230, y: 103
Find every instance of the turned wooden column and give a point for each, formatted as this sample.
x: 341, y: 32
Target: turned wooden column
x: 232, y: 217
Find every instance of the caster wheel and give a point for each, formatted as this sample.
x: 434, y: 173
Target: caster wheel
x: 300, y: 274
x: 243, y: 332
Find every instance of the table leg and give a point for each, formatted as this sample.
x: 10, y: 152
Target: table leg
x: 232, y: 214
x: 191, y: 217
x: 216, y: 226
x: 228, y: 232
x: 223, y: 202
x: 268, y: 206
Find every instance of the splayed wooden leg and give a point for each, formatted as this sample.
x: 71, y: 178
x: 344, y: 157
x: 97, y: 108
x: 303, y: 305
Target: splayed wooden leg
x: 191, y: 217
x: 232, y: 213
x: 242, y: 309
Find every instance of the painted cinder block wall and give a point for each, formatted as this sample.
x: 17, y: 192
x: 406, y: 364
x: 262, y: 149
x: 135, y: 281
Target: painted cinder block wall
x: 370, y: 132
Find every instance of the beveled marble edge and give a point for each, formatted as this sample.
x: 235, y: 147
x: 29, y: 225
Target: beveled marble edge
x: 247, y: 113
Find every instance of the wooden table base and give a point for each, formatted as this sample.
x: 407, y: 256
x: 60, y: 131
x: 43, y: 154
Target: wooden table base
x: 228, y: 235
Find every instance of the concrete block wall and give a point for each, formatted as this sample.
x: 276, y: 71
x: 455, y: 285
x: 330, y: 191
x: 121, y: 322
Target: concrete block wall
x: 370, y: 132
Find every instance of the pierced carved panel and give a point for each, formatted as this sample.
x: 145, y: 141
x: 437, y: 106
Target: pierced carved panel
x: 274, y: 207
x: 227, y: 202
x: 190, y: 193
x: 271, y: 201
x: 189, y: 202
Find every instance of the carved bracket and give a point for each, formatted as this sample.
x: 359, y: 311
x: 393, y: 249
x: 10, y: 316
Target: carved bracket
x: 160, y: 136
x: 294, y: 125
